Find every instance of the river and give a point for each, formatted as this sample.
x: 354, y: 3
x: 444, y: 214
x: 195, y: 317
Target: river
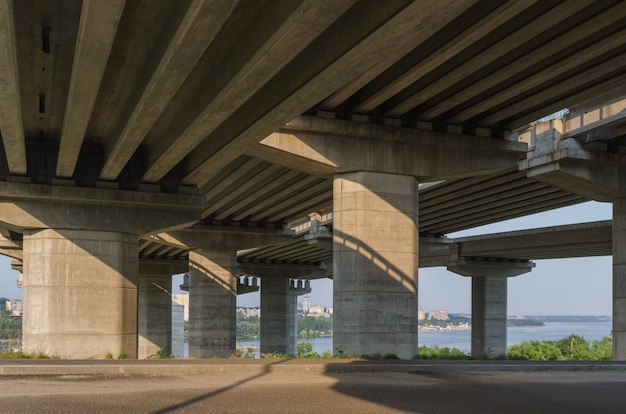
x: 461, y: 340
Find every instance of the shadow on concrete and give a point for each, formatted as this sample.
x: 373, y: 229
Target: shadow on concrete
x: 542, y: 391
x: 203, y: 397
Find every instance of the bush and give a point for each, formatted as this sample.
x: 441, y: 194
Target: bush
x: 572, y: 348
x: 534, y: 351
x: 435, y: 352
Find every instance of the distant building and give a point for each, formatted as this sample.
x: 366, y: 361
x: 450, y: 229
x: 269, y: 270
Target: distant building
x: 14, y: 306
x: 420, y: 315
x: 307, y: 302
x: 248, y: 312
x: 440, y: 315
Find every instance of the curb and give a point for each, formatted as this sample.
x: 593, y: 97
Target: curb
x: 174, y: 368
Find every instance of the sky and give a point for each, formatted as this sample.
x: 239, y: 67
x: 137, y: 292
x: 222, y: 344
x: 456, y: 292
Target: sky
x: 581, y: 286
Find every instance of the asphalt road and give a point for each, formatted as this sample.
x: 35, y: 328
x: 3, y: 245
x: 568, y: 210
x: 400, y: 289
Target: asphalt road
x: 382, y: 392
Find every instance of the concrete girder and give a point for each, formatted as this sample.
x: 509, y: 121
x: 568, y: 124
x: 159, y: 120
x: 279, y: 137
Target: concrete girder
x: 238, y: 84
x: 480, y: 29
x: 42, y: 206
x: 546, y: 75
x: 609, y: 86
x: 11, y: 126
x: 345, y: 51
x: 552, y: 48
x: 96, y: 32
x: 221, y: 205
x: 285, y: 271
x: 495, y: 51
x: 583, y: 121
x: 487, y: 267
x: 198, y: 28
x: 262, y: 191
x: 423, y: 154
x: 564, y: 164
x: 288, y: 203
x: 552, y: 89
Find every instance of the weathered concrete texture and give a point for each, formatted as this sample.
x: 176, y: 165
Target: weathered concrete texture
x: 278, y: 323
x: 80, y: 293
x: 619, y: 279
x: 154, y: 314
x: 375, y: 249
x: 212, y: 302
x: 489, y: 305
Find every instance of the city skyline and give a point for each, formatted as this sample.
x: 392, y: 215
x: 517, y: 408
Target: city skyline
x: 581, y: 286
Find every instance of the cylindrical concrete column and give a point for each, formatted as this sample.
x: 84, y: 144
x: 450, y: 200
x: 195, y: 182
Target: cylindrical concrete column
x: 375, y: 264
x: 80, y: 292
x: 489, y: 307
x: 277, y: 325
x: 212, y: 302
x: 619, y: 279
x: 154, y: 314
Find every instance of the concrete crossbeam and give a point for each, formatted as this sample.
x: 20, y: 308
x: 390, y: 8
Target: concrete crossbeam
x: 321, y: 145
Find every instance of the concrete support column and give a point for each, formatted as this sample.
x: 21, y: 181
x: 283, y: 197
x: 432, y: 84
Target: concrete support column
x: 154, y: 314
x: 375, y: 263
x: 212, y: 302
x: 489, y: 299
x: 489, y: 312
x: 619, y: 279
x: 278, y: 323
x: 80, y: 292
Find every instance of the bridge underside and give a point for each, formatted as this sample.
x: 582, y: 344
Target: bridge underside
x: 129, y: 153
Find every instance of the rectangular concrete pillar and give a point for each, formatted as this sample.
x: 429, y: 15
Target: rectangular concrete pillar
x: 278, y: 330
x: 154, y: 314
x: 619, y: 279
x: 178, y: 330
x: 212, y: 302
x: 489, y: 313
x: 80, y: 293
x: 375, y: 264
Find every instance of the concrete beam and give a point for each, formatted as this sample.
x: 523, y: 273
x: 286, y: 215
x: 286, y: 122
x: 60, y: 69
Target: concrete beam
x: 11, y: 126
x: 564, y: 164
x: 485, y: 267
x: 332, y: 146
x: 478, y: 61
x: 96, y: 33
x: 235, y: 84
x: 285, y: 271
x: 481, y: 28
x: 194, y: 34
x: 344, y: 52
x: 43, y: 206
x: 530, y: 60
x: 585, y: 120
